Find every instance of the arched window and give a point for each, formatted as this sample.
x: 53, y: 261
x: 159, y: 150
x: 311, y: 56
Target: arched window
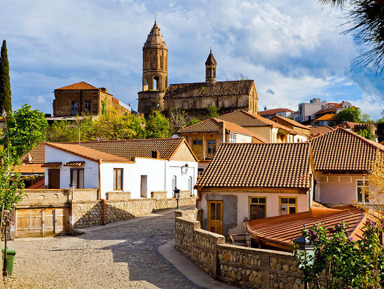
x: 156, y: 83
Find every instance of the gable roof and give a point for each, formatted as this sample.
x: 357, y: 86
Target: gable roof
x: 290, y: 121
x: 201, y: 89
x: 87, y: 153
x: 341, y: 150
x: 280, y: 231
x: 248, y: 119
x: 37, y: 154
x: 211, y: 125
x: 78, y: 86
x: 319, y: 130
x: 244, y: 165
x: 347, y: 124
x: 274, y: 111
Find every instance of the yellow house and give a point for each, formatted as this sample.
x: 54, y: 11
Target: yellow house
x: 302, y: 132
x: 272, y: 131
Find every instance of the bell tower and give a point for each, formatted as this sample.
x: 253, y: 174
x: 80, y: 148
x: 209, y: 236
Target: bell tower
x: 155, y: 72
x: 210, y: 69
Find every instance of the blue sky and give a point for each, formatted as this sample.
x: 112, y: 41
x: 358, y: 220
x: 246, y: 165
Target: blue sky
x: 294, y: 50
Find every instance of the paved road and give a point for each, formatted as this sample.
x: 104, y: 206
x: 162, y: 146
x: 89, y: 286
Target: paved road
x: 119, y: 255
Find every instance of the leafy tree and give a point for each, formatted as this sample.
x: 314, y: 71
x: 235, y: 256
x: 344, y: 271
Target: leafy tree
x: 193, y: 121
x: 157, y: 125
x: 61, y: 131
x: 213, y: 111
x: 5, y: 81
x: 367, y: 133
x: 112, y: 126
x: 26, y: 128
x: 351, y: 114
x: 11, y: 185
x: 380, y: 129
x: 367, y: 19
x: 177, y: 119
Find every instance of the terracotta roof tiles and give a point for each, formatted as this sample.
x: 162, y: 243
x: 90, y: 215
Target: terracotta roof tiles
x: 319, y: 130
x: 247, y: 165
x: 326, y: 117
x: 78, y: 86
x: 274, y: 111
x: 290, y: 121
x: 37, y: 154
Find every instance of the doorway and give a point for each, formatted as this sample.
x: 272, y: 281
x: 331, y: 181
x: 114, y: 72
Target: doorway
x: 144, y: 187
x: 215, y: 216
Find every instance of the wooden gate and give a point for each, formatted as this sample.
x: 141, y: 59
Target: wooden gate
x: 41, y: 222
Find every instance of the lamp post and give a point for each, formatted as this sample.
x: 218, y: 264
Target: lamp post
x: 306, y: 248
x: 72, y: 185
x: 184, y: 169
x: 177, y: 197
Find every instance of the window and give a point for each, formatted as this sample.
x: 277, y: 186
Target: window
x: 257, y: 208
x: 87, y: 106
x: 77, y: 178
x: 74, y: 107
x: 211, y: 147
x: 362, y: 191
x: 232, y: 138
x: 117, y: 179
x: 197, y: 142
x: 200, y: 171
x: 288, y: 206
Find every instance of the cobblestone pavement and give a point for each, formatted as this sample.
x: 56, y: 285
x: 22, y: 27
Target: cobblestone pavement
x: 120, y: 256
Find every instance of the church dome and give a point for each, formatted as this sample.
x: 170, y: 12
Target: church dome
x: 155, y: 39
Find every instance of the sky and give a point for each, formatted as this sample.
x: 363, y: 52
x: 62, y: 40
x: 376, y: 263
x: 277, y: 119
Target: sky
x: 294, y: 50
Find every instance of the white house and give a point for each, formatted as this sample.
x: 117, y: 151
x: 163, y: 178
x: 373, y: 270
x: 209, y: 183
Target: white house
x: 254, y: 181
x: 136, y: 166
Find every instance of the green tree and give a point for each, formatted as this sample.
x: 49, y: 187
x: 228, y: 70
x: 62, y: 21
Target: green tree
x: 26, y: 128
x: 5, y: 81
x: 11, y: 185
x: 366, y: 18
x: 351, y: 114
x: 193, y: 121
x: 177, y: 119
x: 62, y: 131
x: 367, y: 133
x: 157, y: 125
x: 213, y: 111
x: 380, y: 129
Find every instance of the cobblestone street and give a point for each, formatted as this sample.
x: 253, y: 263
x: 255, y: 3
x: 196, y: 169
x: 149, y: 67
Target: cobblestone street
x: 121, y: 255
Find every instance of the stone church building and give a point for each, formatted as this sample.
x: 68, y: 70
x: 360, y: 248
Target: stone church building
x: 194, y: 98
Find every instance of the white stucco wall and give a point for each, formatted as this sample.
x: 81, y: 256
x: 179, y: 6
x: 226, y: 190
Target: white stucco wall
x: 242, y: 138
x: 300, y: 138
x: 91, y: 168
x: 272, y: 200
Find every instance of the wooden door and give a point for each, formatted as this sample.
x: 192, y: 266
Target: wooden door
x: 53, y: 179
x: 215, y: 216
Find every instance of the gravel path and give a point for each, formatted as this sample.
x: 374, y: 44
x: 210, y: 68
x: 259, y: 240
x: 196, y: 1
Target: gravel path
x: 122, y: 255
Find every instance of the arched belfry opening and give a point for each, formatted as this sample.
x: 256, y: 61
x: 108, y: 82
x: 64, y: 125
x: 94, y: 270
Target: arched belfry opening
x: 156, y: 83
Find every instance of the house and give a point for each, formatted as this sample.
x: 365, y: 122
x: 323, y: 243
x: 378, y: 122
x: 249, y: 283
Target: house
x: 206, y: 136
x: 319, y: 130
x: 83, y: 98
x: 138, y: 167
x: 342, y: 161
x: 269, y: 113
x: 332, y: 108
x: 278, y: 232
x: 31, y: 162
x: 252, y: 181
x: 324, y: 120
x: 356, y: 127
x: 193, y: 98
x: 272, y: 131
x: 302, y: 131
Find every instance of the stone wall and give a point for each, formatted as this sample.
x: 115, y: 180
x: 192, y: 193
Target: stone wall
x: 159, y: 195
x: 241, y: 266
x: 118, y: 195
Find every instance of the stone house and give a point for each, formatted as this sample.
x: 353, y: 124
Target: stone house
x: 194, y: 98
x: 272, y: 131
x: 252, y: 181
x: 302, y: 131
x: 136, y: 167
x: 342, y: 161
x: 83, y: 98
x: 206, y: 136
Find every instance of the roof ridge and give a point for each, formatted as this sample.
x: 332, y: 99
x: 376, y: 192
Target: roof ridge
x: 120, y: 140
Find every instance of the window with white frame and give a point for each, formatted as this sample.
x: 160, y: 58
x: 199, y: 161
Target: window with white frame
x: 232, y: 138
x: 362, y: 191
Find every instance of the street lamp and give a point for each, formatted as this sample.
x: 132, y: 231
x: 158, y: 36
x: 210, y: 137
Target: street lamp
x: 304, y: 246
x: 184, y: 169
x: 72, y: 185
x: 177, y: 197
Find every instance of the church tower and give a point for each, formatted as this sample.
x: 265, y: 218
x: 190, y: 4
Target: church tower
x: 210, y: 69
x: 155, y: 72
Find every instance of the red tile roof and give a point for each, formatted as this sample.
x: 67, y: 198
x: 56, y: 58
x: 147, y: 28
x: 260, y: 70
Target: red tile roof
x: 290, y: 121
x: 247, y: 119
x: 51, y: 164
x: 37, y: 154
x: 347, y: 124
x: 274, y: 111
x: 74, y: 164
x: 280, y: 231
x: 212, y: 126
x: 328, y: 117
x: 38, y: 185
x: 341, y: 150
x: 245, y: 165
x: 78, y: 86
x: 30, y: 169
x: 319, y: 130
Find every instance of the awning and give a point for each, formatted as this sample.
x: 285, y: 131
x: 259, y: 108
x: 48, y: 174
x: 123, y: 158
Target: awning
x: 74, y: 164
x: 52, y: 164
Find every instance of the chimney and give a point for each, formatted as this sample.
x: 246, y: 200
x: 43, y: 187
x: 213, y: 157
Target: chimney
x: 155, y: 154
x: 221, y: 133
x: 104, y: 89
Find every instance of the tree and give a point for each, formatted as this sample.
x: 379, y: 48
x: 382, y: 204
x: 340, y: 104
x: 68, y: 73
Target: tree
x: 26, y: 128
x: 367, y: 19
x: 157, y: 125
x: 351, y: 114
x: 193, y: 121
x: 213, y: 111
x: 177, y: 119
x: 367, y: 133
x: 5, y: 81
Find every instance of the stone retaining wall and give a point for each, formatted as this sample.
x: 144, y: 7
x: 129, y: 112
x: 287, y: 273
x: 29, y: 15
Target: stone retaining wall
x: 241, y: 266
